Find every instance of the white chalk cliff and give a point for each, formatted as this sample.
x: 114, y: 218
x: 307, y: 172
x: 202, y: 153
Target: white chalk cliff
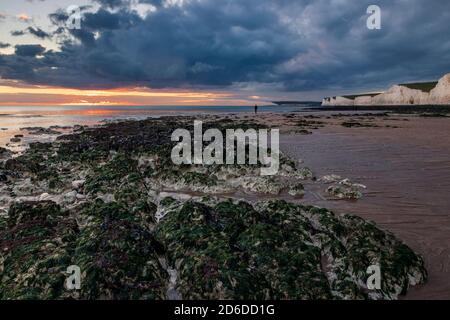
x: 414, y: 94
x: 441, y: 93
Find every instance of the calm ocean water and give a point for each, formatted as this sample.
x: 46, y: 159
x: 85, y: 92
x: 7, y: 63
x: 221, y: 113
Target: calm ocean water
x: 12, y: 119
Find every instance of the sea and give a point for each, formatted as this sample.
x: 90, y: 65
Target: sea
x: 14, y: 119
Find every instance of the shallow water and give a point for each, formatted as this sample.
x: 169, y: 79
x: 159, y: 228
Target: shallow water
x: 407, y: 174
x: 12, y: 119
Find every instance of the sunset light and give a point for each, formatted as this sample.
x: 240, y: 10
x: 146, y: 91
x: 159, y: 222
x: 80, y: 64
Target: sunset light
x: 38, y: 95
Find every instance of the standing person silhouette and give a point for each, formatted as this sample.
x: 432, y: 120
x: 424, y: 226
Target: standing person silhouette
x: 256, y: 109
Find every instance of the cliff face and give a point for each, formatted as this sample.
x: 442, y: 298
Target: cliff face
x: 415, y: 94
x: 441, y: 93
x: 400, y: 95
x: 363, y: 101
x: 338, y: 101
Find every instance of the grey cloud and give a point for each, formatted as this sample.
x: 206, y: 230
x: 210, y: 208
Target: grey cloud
x: 111, y: 3
x: 29, y: 50
x: 38, y: 32
x: 155, y: 3
x: 17, y: 33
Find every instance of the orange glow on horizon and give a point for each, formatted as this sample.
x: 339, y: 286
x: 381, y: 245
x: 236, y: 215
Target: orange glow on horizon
x: 100, y: 103
x: 19, y: 94
x: 109, y: 93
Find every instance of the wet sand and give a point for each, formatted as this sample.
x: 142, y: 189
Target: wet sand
x: 407, y: 174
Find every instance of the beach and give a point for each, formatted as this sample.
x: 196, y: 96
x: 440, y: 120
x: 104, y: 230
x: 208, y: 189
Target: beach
x: 404, y: 160
x: 407, y: 174
x: 389, y: 168
x: 14, y: 119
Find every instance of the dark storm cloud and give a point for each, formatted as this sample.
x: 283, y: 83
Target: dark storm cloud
x: 29, y: 50
x: 289, y: 45
x: 104, y: 20
x: 17, y: 33
x: 38, y: 32
x: 4, y: 45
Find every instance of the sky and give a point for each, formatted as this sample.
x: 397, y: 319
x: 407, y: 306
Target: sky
x: 215, y: 52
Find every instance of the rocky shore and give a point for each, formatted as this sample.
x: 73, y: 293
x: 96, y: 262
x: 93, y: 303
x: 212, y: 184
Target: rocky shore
x: 110, y: 200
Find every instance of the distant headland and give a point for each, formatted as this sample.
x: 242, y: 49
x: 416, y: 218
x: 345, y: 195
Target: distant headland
x: 419, y: 93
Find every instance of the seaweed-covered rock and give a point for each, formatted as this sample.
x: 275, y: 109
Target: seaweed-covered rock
x: 342, y: 188
x: 276, y: 250
x: 95, y: 199
x: 332, y: 178
x: 297, y: 190
x: 344, y: 192
x: 106, y: 177
x: 118, y: 256
x: 5, y: 153
x: 35, y: 250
